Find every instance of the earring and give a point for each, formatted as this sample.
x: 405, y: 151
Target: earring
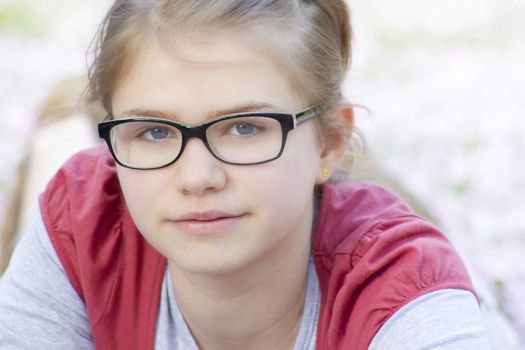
x: 325, y: 171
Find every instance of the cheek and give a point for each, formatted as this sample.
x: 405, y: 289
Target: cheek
x: 283, y: 207
x: 143, y: 192
x: 285, y: 187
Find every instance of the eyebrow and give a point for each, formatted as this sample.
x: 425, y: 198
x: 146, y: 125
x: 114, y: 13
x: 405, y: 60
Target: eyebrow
x: 250, y: 107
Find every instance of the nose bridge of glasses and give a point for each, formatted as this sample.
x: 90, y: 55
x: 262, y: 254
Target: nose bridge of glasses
x: 198, y: 131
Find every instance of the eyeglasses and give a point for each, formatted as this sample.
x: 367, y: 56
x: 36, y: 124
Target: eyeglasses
x: 239, y: 139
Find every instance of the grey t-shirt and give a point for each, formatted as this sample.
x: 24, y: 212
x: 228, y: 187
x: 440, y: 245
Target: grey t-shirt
x: 39, y: 309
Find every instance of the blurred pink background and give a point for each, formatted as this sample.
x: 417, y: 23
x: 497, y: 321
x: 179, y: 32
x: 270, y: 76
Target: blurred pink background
x: 444, y: 83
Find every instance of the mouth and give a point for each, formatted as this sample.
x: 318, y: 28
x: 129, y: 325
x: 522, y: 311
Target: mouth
x: 207, y: 223
x: 205, y: 216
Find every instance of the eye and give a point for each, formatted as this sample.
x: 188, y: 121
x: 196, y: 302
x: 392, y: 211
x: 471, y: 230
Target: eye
x: 250, y: 126
x: 243, y: 129
x: 156, y: 133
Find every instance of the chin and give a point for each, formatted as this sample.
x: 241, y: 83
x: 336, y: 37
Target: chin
x: 208, y: 268
x: 214, y: 263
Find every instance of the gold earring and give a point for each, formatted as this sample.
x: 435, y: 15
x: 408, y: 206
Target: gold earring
x: 325, y: 171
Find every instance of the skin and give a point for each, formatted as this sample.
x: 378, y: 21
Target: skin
x: 240, y: 282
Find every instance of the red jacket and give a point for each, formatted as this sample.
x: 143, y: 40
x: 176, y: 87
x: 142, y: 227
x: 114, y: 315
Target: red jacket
x: 371, y: 253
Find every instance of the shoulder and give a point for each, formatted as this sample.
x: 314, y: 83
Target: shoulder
x: 447, y: 319
x: 82, y: 209
x: 36, y: 296
x: 116, y: 273
x: 374, y: 255
x: 87, y: 170
x: 366, y: 230
x: 354, y: 215
x: 87, y: 181
x: 349, y: 210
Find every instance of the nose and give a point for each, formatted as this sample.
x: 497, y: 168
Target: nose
x: 197, y: 171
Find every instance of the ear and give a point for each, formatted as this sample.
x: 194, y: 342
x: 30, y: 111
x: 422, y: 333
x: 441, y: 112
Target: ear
x: 334, y: 142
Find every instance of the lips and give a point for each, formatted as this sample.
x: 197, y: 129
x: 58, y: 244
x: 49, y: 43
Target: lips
x: 207, y: 222
x: 205, y: 216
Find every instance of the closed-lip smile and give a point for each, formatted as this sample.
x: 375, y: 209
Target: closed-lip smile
x: 206, y: 222
x: 205, y: 216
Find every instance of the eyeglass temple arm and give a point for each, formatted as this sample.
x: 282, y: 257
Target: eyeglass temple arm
x: 305, y: 115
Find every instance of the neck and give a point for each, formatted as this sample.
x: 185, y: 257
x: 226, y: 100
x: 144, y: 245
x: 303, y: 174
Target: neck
x: 259, y: 307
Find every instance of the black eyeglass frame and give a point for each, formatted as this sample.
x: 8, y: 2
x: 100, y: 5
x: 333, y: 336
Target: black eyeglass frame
x: 288, y: 122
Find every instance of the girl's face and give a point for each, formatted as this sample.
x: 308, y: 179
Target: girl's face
x: 206, y: 216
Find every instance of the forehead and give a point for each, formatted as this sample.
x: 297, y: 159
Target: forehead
x: 199, y: 72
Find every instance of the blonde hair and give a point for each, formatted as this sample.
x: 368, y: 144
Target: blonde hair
x: 309, y: 39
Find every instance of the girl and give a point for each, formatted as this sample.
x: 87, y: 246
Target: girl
x: 210, y: 219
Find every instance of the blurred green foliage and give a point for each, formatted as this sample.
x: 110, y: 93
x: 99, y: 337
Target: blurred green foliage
x: 399, y: 40
x: 21, y: 19
x: 499, y: 284
x: 460, y: 189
